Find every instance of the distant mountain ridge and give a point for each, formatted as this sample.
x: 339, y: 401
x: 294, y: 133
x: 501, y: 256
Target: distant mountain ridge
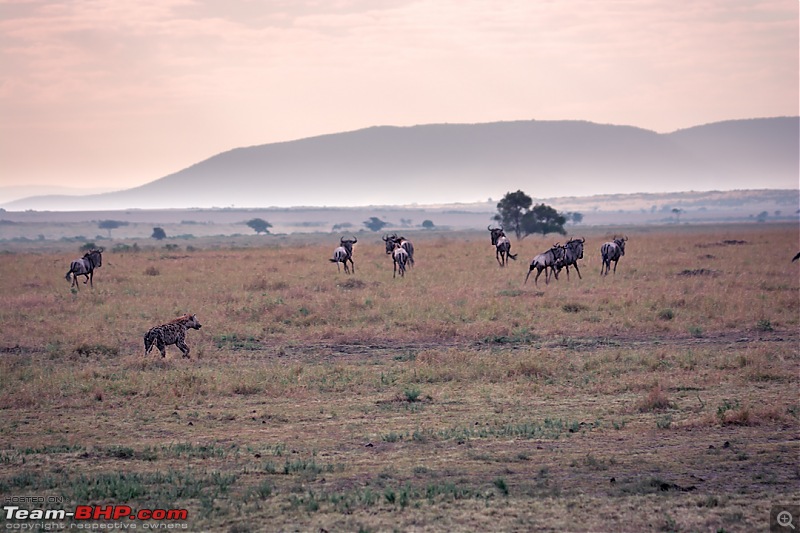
x: 448, y: 163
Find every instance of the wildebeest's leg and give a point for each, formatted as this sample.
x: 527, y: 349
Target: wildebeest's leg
x: 576, y: 270
x: 183, y: 347
x: 615, y: 266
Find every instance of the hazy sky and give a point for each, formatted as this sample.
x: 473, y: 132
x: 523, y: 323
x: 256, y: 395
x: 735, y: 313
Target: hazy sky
x: 123, y: 92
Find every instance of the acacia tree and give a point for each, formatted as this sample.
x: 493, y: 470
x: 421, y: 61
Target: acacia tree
x: 111, y: 224
x: 259, y: 225
x: 543, y: 219
x: 375, y: 224
x: 510, y: 211
x: 158, y: 234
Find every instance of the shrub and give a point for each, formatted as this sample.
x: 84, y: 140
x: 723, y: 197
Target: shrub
x: 764, y: 325
x: 655, y: 400
x: 666, y: 314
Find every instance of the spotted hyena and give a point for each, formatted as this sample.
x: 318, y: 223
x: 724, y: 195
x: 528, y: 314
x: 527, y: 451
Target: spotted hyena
x: 173, y: 332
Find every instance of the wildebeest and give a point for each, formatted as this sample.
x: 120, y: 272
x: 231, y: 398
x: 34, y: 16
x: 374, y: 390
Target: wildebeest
x: 400, y: 258
x: 573, y: 251
x: 344, y: 253
x: 404, y: 243
x: 173, y: 332
x: 544, y: 261
x: 612, y: 251
x: 85, y: 267
x: 502, y: 246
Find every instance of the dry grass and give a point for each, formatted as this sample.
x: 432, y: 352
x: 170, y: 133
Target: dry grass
x: 456, y: 398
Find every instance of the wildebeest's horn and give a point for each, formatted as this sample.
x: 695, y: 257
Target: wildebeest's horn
x: 385, y: 238
x: 354, y: 239
x: 489, y: 227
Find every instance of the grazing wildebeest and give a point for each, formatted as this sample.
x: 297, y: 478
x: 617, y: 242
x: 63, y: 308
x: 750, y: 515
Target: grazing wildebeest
x: 573, y: 251
x: 400, y: 257
x: 502, y: 246
x: 403, y: 242
x: 344, y: 253
x: 85, y: 267
x: 546, y: 260
x: 612, y: 251
x: 173, y: 332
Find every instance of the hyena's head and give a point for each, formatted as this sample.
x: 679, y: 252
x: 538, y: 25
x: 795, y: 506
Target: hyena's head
x: 192, y: 322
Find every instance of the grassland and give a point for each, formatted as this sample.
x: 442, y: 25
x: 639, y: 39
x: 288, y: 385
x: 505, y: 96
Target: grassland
x: 662, y: 398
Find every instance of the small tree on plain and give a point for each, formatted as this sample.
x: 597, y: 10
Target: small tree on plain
x: 427, y: 224
x: 510, y: 211
x: 375, y: 224
x: 110, y: 224
x: 259, y: 225
x: 158, y: 234
x: 543, y: 219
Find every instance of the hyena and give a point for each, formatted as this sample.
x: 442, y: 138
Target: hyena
x: 173, y: 332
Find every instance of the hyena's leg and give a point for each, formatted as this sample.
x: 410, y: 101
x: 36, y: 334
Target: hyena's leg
x: 183, y: 347
x: 161, y: 346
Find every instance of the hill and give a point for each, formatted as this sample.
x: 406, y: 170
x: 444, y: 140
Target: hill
x: 446, y: 163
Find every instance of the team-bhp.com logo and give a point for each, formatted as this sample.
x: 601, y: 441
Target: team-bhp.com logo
x: 114, y: 513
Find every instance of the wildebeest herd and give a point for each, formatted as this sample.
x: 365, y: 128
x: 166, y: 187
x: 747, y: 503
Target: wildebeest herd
x: 551, y: 261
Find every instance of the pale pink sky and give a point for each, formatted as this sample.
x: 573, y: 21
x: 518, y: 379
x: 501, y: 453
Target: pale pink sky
x: 122, y: 92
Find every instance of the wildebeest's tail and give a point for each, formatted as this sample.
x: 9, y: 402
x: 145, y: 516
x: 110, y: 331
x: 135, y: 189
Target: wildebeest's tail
x: 512, y: 256
x: 69, y: 273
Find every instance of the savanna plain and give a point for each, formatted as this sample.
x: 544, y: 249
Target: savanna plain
x: 660, y: 398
